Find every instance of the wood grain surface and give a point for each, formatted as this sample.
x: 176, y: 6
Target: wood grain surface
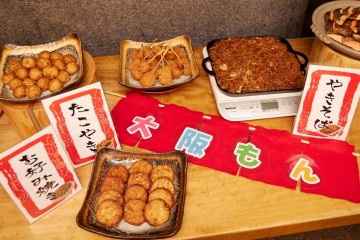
x: 217, y: 205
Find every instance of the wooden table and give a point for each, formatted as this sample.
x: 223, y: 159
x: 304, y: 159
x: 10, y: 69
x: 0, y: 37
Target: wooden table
x: 218, y: 205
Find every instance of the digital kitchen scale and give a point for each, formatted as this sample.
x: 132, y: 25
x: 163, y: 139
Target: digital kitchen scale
x: 249, y: 106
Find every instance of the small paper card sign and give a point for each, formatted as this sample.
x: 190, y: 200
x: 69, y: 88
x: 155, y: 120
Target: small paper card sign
x: 37, y: 174
x: 328, y: 102
x: 81, y: 120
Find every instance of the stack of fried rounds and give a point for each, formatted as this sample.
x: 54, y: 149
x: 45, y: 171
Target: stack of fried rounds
x: 140, y: 194
x: 31, y: 75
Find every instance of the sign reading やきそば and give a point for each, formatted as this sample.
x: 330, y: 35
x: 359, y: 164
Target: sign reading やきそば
x: 328, y: 103
x: 37, y: 174
x: 81, y: 120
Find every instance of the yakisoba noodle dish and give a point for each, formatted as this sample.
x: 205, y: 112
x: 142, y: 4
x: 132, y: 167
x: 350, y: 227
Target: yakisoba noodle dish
x: 135, y: 194
x: 157, y: 65
x: 32, y: 72
x: 255, y: 64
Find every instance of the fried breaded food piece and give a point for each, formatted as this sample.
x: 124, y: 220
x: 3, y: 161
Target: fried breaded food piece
x: 162, y: 171
x: 28, y: 82
x: 19, y: 92
x: 55, y: 85
x: 134, y: 212
x: 44, y: 54
x: 14, y: 83
x: 163, y: 182
x: 141, y: 165
x: 55, y: 55
x: 72, y: 67
x: 157, y: 212
x: 69, y: 58
x: 135, y: 191
x: 7, y: 77
x: 22, y: 73
x: 59, y: 64
x: 63, y: 76
x: 43, y: 62
x: 139, y: 178
x: 114, y: 183
x: 43, y: 83
x: 148, y: 79
x: 111, y: 194
x: 164, y: 194
x: 109, y: 213
x: 33, y: 91
x: 14, y: 65
x: 28, y: 62
x: 50, y: 72
x: 35, y: 73
x: 118, y: 171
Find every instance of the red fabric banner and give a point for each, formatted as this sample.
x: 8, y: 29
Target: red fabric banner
x: 324, y: 166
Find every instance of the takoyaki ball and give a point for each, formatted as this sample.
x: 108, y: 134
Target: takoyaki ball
x: 7, y: 77
x: 35, y: 73
x: 55, y: 85
x: 15, y: 83
x: 28, y: 62
x: 43, y: 83
x: 55, y: 55
x: 69, y: 58
x: 63, y: 76
x: 33, y: 91
x: 28, y: 82
x: 19, y: 92
x: 50, y: 71
x: 44, y: 54
x: 14, y: 65
x: 43, y: 62
x: 59, y: 64
x: 22, y: 73
x: 72, y: 68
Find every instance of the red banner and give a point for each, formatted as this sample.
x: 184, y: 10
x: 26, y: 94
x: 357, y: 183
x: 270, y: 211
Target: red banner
x: 324, y: 166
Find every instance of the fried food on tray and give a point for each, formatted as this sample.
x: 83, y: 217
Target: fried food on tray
x: 163, y: 182
x: 33, y: 91
x: 114, y: 183
x: 164, y: 194
x: 157, y: 212
x: 72, y: 67
x: 28, y: 82
x: 43, y: 62
x: 22, y: 73
x: 162, y: 171
x: 44, y: 54
x: 141, y: 165
x: 28, y: 62
x: 118, y: 171
x: 144, y: 63
x: 14, y: 83
x: 134, y: 212
x: 35, y: 73
x: 111, y: 194
x: 109, y: 213
x: 43, y: 69
x: 43, y: 83
x: 14, y: 65
x: 59, y: 64
x: 7, y: 77
x: 139, y: 178
x: 55, y: 85
x: 19, y: 92
x: 63, y: 76
x: 135, y: 191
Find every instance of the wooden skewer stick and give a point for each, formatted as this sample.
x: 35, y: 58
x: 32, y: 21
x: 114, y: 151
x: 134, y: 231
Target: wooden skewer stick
x: 115, y: 94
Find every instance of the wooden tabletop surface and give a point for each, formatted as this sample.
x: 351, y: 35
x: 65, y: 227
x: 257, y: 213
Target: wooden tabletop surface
x: 218, y: 205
